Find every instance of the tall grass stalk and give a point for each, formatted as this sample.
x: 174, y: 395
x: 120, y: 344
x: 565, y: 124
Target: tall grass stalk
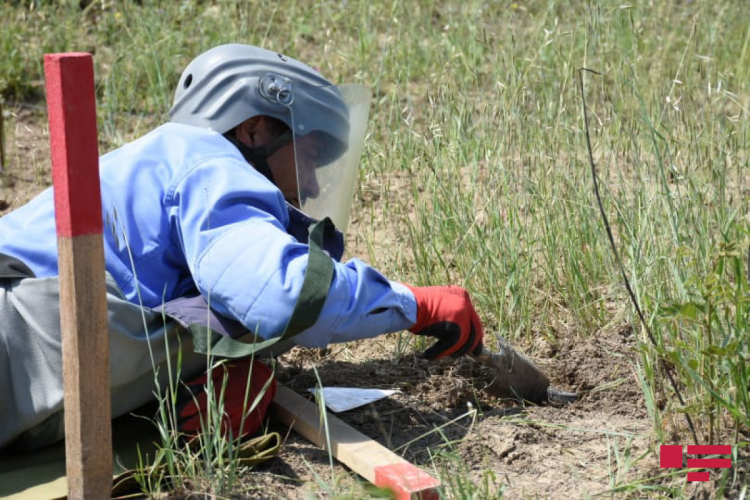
x: 208, y: 461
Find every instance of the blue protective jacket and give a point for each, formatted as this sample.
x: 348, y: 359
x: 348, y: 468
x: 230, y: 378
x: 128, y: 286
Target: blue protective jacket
x: 183, y: 210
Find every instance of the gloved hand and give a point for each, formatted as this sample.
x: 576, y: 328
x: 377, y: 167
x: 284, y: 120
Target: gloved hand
x: 446, y: 313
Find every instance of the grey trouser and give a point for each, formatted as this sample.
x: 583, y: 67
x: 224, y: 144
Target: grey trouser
x: 141, y: 342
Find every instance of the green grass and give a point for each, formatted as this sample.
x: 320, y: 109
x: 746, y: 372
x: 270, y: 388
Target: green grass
x: 478, y: 156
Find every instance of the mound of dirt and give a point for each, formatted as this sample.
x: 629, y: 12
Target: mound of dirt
x: 533, y: 451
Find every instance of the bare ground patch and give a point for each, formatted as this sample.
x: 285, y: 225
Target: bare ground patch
x: 532, y: 452
x: 27, y: 161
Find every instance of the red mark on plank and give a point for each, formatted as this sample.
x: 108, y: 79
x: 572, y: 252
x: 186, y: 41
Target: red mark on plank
x: 407, y: 482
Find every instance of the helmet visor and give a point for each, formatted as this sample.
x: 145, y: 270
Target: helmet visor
x: 327, y: 149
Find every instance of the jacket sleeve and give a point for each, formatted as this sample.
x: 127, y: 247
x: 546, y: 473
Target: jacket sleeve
x: 230, y: 223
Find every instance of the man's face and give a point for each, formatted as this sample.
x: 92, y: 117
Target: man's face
x: 295, y: 177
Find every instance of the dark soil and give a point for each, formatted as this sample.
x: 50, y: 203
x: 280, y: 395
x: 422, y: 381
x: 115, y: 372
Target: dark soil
x: 533, y: 451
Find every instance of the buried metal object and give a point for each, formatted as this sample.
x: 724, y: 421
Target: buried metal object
x: 518, y: 378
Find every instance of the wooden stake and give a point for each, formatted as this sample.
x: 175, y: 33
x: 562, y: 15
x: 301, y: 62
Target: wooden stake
x: 71, y: 106
x: 366, y: 457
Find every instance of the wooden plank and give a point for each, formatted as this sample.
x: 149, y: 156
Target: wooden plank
x: 71, y: 106
x: 366, y: 457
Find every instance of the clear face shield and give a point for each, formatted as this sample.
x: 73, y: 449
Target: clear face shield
x: 329, y: 133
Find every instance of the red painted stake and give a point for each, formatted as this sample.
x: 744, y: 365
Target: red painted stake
x: 71, y: 105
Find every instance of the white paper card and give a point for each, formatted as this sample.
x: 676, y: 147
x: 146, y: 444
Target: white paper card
x: 339, y: 399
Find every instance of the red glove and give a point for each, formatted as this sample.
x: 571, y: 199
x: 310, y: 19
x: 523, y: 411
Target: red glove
x: 446, y: 313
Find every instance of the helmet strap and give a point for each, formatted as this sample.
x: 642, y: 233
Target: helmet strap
x: 258, y: 156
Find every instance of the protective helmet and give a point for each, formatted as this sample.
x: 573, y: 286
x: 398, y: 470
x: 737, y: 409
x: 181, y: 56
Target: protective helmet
x: 228, y: 84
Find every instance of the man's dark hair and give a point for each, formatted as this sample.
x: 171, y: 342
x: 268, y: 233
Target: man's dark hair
x: 276, y: 126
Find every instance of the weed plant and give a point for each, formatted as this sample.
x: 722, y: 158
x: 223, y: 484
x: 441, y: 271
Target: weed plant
x: 208, y: 461
x: 476, y: 160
